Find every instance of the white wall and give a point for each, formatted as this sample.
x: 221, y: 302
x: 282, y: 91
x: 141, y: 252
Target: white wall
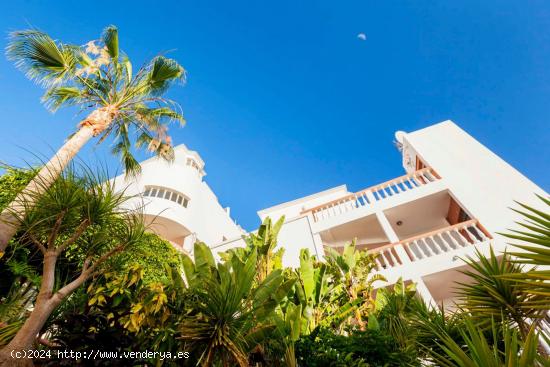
x: 294, y: 208
x: 482, y: 182
x: 294, y: 235
x: 204, y: 216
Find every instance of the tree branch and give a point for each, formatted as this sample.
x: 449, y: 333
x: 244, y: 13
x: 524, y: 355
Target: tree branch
x: 76, y: 235
x: 38, y: 243
x: 87, y: 271
x: 48, y: 276
x: 56, y: 228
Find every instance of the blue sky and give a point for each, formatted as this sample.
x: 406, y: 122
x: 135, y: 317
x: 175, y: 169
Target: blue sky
x: 283, y: 100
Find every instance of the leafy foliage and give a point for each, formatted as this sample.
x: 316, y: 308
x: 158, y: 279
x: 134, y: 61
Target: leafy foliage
x: 78, y: 221
x: 361, y: 348
x: 232, y: 313
x: 153, y: 254
x: 124, y: 312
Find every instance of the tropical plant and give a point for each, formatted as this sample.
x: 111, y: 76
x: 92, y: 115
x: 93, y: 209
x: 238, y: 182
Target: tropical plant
x: 313, y: 292
x: 360, y: 348
x: 426, y: 324
x: 154, y: 255
x: 534, y: 242
x: 289, y: 326
x: 12, y: 181
x: 263, y: 242
x: 232, y: 314
x: 488, y: 295
x: 79, y: 327
x: 503, y: 347
x: 394, y: 307
x: 122, y: 312
x: 353, y: 271
x: 79, y: 213
x: 98, y: 77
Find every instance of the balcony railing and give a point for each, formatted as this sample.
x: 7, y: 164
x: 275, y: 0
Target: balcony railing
x: 431, y: 244
x: 373, y: 194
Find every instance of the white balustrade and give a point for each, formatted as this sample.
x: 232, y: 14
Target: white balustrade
x: 368, y: 196
x: 386, y: 257
x: 445, y: 240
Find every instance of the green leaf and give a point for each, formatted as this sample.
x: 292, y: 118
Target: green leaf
x: 110, y: 39
x: 307, y: 275
x: 204, y: 260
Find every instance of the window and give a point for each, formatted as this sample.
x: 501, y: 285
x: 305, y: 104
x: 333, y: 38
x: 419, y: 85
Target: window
x: 167, y: 194
x: 191, y: 162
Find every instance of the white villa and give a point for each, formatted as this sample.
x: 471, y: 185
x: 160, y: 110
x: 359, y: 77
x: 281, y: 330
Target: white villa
x: 453, y: 198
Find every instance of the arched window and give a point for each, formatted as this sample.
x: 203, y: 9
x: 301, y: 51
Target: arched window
x: 167, y: 194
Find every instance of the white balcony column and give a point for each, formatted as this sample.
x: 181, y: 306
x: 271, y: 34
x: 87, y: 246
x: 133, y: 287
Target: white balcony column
x: 317, y: 241
x: 423, y: 291
x: 392, y: 237
x: 319, y: 248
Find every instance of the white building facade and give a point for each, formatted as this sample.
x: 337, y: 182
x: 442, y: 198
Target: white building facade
x: 454, y: 198
x: 177, y: 203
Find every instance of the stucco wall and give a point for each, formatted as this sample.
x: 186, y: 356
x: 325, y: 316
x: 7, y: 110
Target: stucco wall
x: 483, y: 183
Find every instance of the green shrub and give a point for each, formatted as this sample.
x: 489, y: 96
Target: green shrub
x: 324, y: 348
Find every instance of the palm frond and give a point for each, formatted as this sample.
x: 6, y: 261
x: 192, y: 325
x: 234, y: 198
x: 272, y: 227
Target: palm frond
x: 110, y: 39
x: 158, y: 75
x: 492, y: 294
x: 40, y: 57
x: 535, y: 246
x: 57, y: 97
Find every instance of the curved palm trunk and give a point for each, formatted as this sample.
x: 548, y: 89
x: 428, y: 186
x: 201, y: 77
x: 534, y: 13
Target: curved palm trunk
x: 94, y: 124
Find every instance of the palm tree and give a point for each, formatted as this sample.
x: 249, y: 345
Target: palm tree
x: 97, y: 78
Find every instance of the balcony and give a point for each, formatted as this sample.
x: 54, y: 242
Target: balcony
x: 376, y: 194
x: 412, y: 253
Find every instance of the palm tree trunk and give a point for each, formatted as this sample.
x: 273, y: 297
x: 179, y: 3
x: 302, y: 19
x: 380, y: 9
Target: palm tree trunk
x: 95, y: 123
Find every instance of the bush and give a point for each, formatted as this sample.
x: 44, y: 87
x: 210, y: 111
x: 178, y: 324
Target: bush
x: 361, y: 348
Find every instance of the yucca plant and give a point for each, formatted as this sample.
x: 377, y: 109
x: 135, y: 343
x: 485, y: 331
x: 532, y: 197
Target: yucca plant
x: 97, y: 78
